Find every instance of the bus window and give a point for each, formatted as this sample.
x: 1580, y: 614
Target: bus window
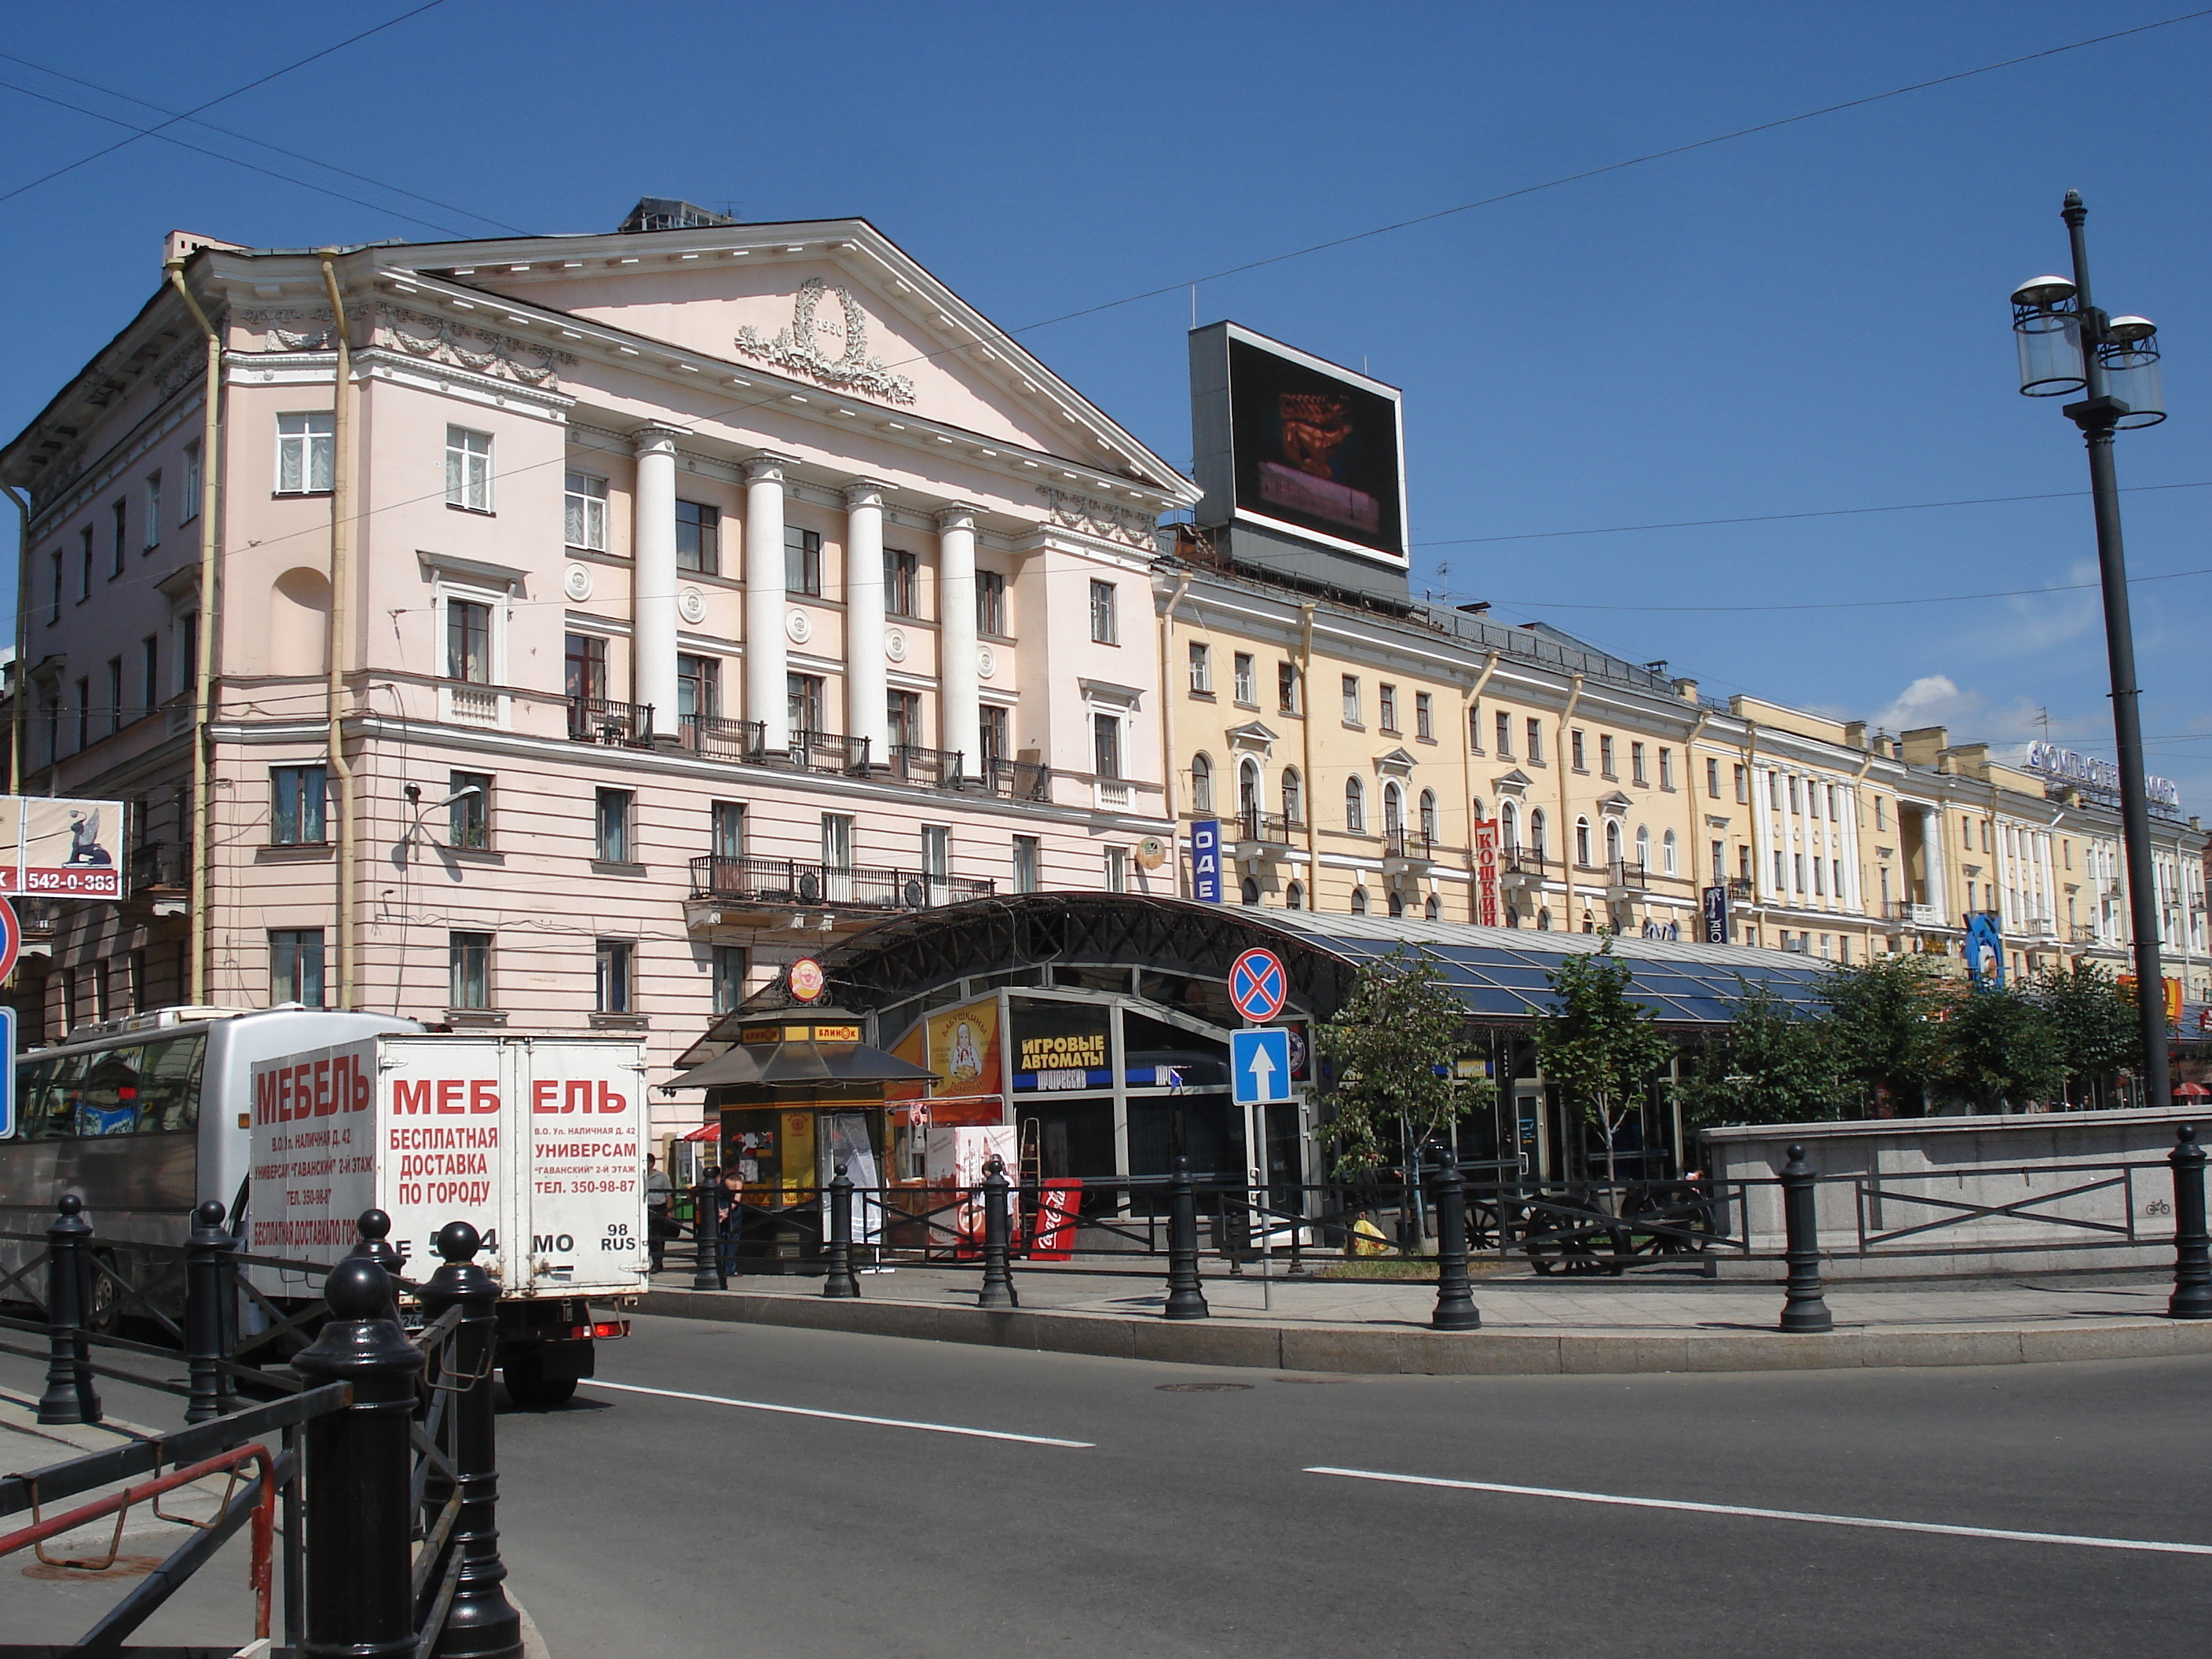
x: 169, y: 1083
x: 49, y: 1095
x: 108, y: 1100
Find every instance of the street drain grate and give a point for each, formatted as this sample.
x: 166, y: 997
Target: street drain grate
x: 1200, y: 1387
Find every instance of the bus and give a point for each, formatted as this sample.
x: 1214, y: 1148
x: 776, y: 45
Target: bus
x: 145, y: 1118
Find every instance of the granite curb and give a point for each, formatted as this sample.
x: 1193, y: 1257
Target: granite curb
x: 1411, y: 1350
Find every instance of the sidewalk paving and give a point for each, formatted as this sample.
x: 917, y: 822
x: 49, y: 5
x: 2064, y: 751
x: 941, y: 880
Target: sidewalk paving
x: 1528, y: 1323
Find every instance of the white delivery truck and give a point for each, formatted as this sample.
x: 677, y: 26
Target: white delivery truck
x: 537, y: 1142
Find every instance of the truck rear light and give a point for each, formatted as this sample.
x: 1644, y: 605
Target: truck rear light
x: 604, y: 1329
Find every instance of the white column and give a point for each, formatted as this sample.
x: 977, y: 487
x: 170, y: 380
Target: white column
x: 956, y: 719
x: 1854, y: 877
x: 865, y: 681
x: 1762, y: 836
x: 1931, y: 856
x: 653, y: 547
x: 766, y: 694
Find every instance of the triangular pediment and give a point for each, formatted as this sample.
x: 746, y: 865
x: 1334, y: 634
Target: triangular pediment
x: 1395, y: 763
x: 1515, y: 783
x: 834, y: 308
x: 1615, y: 804
x: 1252, y: 735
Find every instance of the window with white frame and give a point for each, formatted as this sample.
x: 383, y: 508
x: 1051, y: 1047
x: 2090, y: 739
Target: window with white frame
x: 1105, y: 621
x: 1117, y: 869
x: 1667, y: 857
x: 468, y: 641
x: 1202, y: 669
x: 585, y: 518
x: 153, y: 533
x: 188, y: 506
x: 1248, y: 687
x: 1425, y: 715
x: 1355, y: 806
x: 1106, y: 745
x: 305, y: 452
x: 1351, y: 699
x: 1201, y: 783
x: 468, y: 468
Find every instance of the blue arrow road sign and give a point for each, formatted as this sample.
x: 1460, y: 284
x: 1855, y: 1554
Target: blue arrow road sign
x: 1259, y: 1065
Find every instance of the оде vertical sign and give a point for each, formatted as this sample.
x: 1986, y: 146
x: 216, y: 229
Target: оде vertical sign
x: 1206, y: 860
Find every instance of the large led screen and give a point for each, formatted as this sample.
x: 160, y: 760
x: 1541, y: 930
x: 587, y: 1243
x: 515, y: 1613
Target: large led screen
x: 1314, y: 452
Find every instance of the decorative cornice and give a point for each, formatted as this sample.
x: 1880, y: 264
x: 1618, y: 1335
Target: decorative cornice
x: 284, y: 330
x: 767, y: 467
x: 959, y: 515
x: 439, y: 339
x: 1097, y: 518
x: 798, y: 348
x: 654, y: 436
x: 864, y: 492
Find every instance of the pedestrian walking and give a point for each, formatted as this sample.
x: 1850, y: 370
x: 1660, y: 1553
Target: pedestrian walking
x: 659, y: 1194
x: 729, y: 1216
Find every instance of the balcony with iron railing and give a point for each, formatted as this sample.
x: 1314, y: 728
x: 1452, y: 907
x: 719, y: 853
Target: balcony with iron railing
x: 836, y: 752
x: 930, y: 769
x: 784, y: 883
x: 1624, y: 875
x: 715, y: 739
x: 1011, y: 779
x: 161, y: 867
x: 2087, y: 932
x: 616, y: 725
x: 1741, y: 887
x: 1915, y: 914
x: 1255, y: 828
x: 1402, y: 848
x: 1522, y: 866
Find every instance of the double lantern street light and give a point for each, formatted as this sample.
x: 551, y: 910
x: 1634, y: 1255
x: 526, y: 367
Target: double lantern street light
x: 2067, y: 345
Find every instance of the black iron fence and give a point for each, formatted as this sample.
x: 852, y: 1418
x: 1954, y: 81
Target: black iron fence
x: 372, y: 1485
x: 618, y: 725
x: 789, y: 881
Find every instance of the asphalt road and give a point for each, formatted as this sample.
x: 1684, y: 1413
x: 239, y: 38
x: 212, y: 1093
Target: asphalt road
x: 1189, y: 1523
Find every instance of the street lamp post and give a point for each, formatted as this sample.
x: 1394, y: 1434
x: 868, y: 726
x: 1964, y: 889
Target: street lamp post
x: 2067, y: 345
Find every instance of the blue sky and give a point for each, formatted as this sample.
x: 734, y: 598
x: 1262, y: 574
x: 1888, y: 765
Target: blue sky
x: 1804, y: 320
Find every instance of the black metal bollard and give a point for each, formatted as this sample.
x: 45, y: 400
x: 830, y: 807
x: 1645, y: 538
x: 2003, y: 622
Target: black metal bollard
x: 1456, y: 1308
x: 840, y: 1281
x: 998, y: 1290
x: 69, y: 1395
x: 373, y: 1240
x: 708, y: 1237
x: 1803, y: 1309
x: 357, y: 1466
x: 208, y: 1290
x: 482, y: 1623
x: 2193, y: 1247
x: 1185, y: 1299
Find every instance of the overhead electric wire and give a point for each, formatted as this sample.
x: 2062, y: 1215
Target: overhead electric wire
x: 236, y: 162
x: 1852, y: 605
x: 1613, y: 167
x: 259, y: 81
x: 259, y: 143
x: 1776, y: 517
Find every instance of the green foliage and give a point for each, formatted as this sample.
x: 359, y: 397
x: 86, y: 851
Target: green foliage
x: 1599, y: 1045
x: 1883, y: 1018
x: 1772, y: 1065
x: 1401, y: 1022
x: 2001, y: 1046
x: 2093, y: 1017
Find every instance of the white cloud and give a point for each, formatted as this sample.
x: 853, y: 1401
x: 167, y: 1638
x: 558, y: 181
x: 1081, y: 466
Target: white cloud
x: 1932, y: 700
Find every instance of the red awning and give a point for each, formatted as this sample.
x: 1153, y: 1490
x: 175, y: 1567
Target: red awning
x: 704, y: 1132
x: 2192, y: 1090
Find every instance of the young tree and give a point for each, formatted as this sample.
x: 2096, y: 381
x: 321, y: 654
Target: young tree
x: 1392, y: 1046
x: 1772, y: 1065
x: 1599, y: 1044
x: 1881, y: 1015
x: 2001, y: 1046
x: 2094, y: 1019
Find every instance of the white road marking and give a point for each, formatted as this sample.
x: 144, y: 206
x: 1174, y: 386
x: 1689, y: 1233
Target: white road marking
x: 837, y: 1417
x: 2079, y: 1540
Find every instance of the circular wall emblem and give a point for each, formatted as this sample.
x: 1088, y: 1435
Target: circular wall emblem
x: 986, y: 661
x: 895, y: 645
x: 799, y: 626
x: 1152, y: 853
x: 691, y: 606
x: 576, y: 582
x: 807, y: 979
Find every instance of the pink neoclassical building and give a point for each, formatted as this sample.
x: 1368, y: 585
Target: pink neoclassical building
x: 568, y: 632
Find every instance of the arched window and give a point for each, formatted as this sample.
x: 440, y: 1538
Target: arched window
x: 1251, y: 890
x: 1359, y: 901
x: 1536, y: 832
x: 1612, y: 840
x: 1590, y: 922
x: 1582, y: 842
x: 1428, y: 820
x: 1474, y: 810
x: 1395, y: 903
x: 1249, y: 798
x: 1355, y: 813
x: 1667, y: 855
x: 1512, y: 916
x: 1543, y: 922
x: 1294, y: 796
x: 1393, y: 809
x: 1201, y: 784
x: 1294, y: 898
x: 1435, y: 910
x: 1644, y: 846
x: 1508, y: 826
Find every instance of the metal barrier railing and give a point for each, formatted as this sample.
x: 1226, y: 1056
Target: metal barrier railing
x: 385, y: 1472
